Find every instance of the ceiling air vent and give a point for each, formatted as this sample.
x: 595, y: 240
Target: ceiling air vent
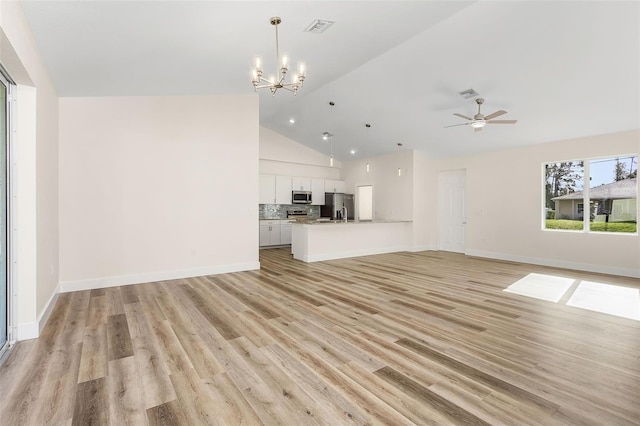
x: 319, y: 26
x: 469, y: 93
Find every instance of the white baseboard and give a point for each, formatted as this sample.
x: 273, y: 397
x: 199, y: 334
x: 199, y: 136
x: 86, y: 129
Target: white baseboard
x: 115, y: 281
x: 27, y: 331
x: 46, y: 312
x: 423, y: 248
x: 32, y: 330
x: 555, y: 263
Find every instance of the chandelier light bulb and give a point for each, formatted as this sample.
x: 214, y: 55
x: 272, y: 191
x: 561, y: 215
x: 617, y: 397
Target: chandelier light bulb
x: 331, y: 161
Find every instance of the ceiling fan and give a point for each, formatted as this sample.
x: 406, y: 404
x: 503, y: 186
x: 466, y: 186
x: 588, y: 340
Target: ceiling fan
x: 479, y: 121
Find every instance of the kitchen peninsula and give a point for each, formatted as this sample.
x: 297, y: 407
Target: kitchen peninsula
x: 316, y: 241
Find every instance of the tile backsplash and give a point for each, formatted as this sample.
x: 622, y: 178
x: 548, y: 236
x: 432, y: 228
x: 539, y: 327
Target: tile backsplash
x: 279, y: 211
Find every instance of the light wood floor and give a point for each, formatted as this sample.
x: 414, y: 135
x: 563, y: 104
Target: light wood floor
x: 405, y: 338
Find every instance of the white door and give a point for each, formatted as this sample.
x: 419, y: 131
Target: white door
x: 452, y: 217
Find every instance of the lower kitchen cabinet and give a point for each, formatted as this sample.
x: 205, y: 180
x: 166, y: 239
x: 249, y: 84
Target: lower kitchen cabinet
x: 285, y: 232
x: 270, y: 233
x: 275, y: 232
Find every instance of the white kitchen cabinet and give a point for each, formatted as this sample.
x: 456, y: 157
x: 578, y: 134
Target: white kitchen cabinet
x: 317, y: 192
x: 301, y: 184
x: 285, y: 232
x: 267, y: 189
x: 270, y: 233
x: 283, y: 189
x: 334, y: 186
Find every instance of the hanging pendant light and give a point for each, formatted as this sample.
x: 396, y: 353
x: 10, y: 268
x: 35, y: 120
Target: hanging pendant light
x: 368, y: 168
x: 328, y: 136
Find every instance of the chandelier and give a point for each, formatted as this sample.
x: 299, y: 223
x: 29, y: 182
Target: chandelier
x: 276, y: 81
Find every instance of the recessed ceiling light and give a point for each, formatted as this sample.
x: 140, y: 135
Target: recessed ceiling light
x: 292, y: 120
x: 353, y: 151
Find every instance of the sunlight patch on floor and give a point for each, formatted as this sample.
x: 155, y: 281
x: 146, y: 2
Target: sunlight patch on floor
x: 608, y: 299
x: 540, y: 286
x: 605, y: 298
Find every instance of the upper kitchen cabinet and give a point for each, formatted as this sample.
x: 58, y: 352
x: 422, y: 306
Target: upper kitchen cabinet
x: 283, y: 189
x: 317, y: 192
x: 335, y: 186
x: 267, y: 190
x: 301, y: 184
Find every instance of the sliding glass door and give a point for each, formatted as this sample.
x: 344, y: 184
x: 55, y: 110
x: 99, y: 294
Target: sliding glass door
x: 5, y: 87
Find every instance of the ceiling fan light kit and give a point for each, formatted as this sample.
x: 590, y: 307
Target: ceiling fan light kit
x: 479, y: 120
x: 276, y: 81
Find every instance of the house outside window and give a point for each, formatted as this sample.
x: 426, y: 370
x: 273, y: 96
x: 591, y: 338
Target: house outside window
x: 611, y: 195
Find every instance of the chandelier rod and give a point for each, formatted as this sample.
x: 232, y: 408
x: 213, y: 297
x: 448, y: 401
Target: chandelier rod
x: 276, y: 22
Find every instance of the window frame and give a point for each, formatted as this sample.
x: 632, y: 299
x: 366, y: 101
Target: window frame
x: 586, y: 196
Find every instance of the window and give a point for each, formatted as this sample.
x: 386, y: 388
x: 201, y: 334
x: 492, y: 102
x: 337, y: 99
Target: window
x: 6, y: 109
x: 607, y: 204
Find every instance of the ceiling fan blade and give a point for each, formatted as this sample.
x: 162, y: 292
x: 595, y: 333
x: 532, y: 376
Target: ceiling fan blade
x: 495, y: 114
x: 502, y: 121
x: 456, y: 125
x: 462, y: 116
x: 477, y: 129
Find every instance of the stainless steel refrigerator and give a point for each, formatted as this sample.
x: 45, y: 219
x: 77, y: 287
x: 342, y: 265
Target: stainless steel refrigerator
x: 333, y: 203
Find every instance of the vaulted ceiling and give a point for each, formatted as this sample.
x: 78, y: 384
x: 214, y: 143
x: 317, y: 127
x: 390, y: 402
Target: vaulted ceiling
x: 562, y: 69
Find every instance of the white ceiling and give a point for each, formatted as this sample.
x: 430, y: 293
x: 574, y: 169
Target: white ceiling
x: 564, y: 69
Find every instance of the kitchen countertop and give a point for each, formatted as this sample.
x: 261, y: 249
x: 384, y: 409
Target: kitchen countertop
x: 350, y: 222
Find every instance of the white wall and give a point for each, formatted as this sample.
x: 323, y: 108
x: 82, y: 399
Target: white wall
x: 393, y: 195
x: 35, y: 182
x: 504, y: 203
x: 154, y: 188
x: 282, y: 156
x: 425, y: 202
x: 504, y: 208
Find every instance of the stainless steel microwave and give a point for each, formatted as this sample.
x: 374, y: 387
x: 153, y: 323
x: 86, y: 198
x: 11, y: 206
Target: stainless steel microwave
x: 301, y: 197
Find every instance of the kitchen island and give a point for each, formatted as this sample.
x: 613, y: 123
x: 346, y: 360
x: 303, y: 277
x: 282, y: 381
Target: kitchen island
x: 313, y: 242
